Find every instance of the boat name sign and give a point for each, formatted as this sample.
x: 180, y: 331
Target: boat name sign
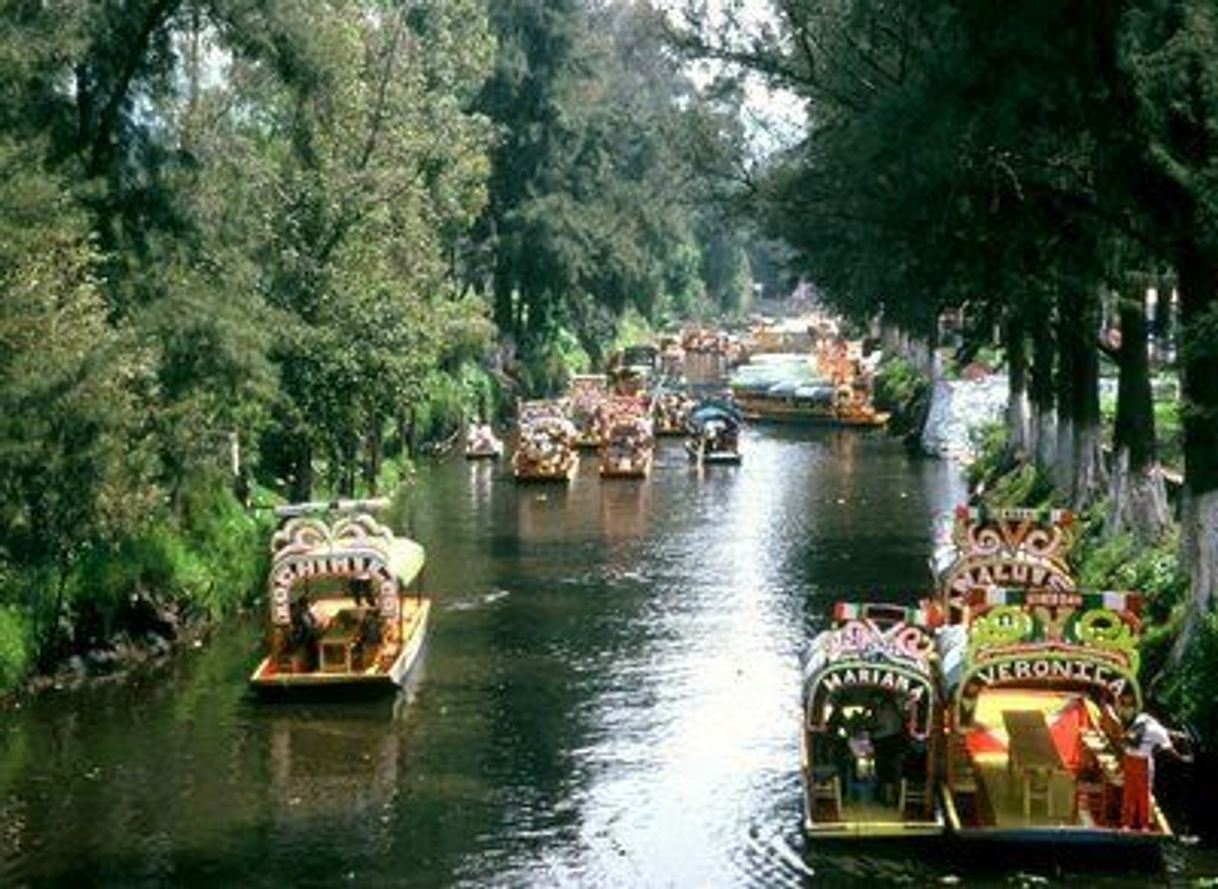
x: 1049, y: 669
x: 338, y: 564
x: 878, y: 677
x: 1004, y: 571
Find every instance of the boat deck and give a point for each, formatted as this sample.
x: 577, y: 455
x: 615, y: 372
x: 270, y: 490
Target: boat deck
x: 415, y: 611
x: 1004, y: 794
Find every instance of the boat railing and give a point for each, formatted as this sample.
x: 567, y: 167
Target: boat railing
x: 323, y: 507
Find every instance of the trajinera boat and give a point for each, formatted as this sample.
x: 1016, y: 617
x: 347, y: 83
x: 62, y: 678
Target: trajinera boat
x: 782, y: 387
x: 481, y: 443
x: 347, y: 615
x: 670, y: 411
x: 546, y: 447
x: 627, y: 439
x: 714, y: 433
x: 1040, y: 684
x: 583, y: 403
x: 869, y: 735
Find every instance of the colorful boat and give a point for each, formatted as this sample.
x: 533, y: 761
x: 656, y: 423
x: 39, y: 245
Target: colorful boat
x: 633, y: 369
x: 627, y: 440
x: 1040, y: 683
x: 787, y: 388
x: 584, y: 398
x: 869, y: 735
x: 346, y: 613
x: 481, y: 443
x: 545, y: 450
x: 670, y: 412
x: 714, y: 433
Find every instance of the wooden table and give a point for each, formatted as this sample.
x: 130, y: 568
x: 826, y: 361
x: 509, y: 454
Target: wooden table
x: 1033, y: 755
x: 339, y: 639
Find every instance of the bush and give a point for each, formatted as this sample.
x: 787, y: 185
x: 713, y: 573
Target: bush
x: 208, y: 562
x: 897, y: 384
x: 904, y: 393
x: 1188, y: 691
x: 15, y: 648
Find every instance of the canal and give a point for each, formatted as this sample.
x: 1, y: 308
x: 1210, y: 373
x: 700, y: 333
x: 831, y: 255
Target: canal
x: 609, y: 698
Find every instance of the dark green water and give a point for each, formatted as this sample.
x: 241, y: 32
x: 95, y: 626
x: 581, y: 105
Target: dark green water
x: 609, y: 698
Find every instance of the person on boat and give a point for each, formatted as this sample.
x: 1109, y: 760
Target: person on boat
x: 362, y: 591
x: 304, y: 631
x: 862, y: 751
x: 888, y: 737
x: 1143, y: 739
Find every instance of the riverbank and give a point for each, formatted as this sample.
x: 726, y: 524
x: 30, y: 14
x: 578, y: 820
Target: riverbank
x: 962, y: 420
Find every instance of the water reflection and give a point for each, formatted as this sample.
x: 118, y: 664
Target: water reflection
x: 609, y: 698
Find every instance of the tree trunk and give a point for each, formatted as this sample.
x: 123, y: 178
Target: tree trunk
x: 372, y: 457
x: 1198, y: 288
x: 1138, y: 497
x: 1040, y: 390
x: 1017, y: 403
x: 1067, y: 356
x: 302, y: 473
x: 1088, y: 472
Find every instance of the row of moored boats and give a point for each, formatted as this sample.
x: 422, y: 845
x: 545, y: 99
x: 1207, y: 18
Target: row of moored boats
x: 999, y: 708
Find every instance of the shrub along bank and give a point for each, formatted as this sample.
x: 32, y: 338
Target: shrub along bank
x: 136, y: 597
x: 196, y: 558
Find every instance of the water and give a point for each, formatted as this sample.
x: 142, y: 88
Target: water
x: 609, y: 698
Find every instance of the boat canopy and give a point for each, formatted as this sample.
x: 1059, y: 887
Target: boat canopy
x: 872, y: 649
x: 714, y: 410
x: 1044, y: 638
x: 353, y: 547
x: 766, y: 372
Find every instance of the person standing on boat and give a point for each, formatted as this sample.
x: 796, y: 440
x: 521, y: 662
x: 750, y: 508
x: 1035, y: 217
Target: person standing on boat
x: 1143, y: 739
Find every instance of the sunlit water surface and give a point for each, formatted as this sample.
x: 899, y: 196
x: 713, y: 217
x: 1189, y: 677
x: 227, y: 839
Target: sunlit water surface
x: 609, y: 698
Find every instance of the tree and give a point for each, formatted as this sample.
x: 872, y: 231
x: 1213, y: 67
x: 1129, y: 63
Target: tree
x: 75, y: 469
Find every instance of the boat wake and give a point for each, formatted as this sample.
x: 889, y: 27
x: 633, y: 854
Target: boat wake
x: 473, y: 602
x: 768, y: 859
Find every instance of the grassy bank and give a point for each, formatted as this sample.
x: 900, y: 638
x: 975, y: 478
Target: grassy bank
x: 191, y: 562
x: 136, y: 596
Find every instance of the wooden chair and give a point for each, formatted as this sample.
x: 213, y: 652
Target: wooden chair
x: 1089, y: 799
x: 1035, y: 790
x: 827, y: 792
x: 915, y: 794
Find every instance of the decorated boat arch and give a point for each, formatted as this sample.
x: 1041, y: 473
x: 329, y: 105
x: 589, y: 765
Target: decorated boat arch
x: 869, y: 734
x: 345, y: 605
x: 1007, y: 548
x: 1043, y: 638
x: 1039, y: 682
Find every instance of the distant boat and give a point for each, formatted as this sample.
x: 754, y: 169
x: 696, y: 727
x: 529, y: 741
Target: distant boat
x: 714, y: 433
x: 787, y: 388
x: 627, y: 438
x: 481, y: 443
x: 545, y: 451
x: 582, y: 407
x: 347, y: 616
x: 670, y: 412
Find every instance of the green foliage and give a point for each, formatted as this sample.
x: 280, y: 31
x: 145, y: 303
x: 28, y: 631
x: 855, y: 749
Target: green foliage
x: 15, y: 646
x: 1001, y: 479
x: 211, y: 561
x: 592, y: 187
x: 1188, y: 690
x: 900, y: 390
